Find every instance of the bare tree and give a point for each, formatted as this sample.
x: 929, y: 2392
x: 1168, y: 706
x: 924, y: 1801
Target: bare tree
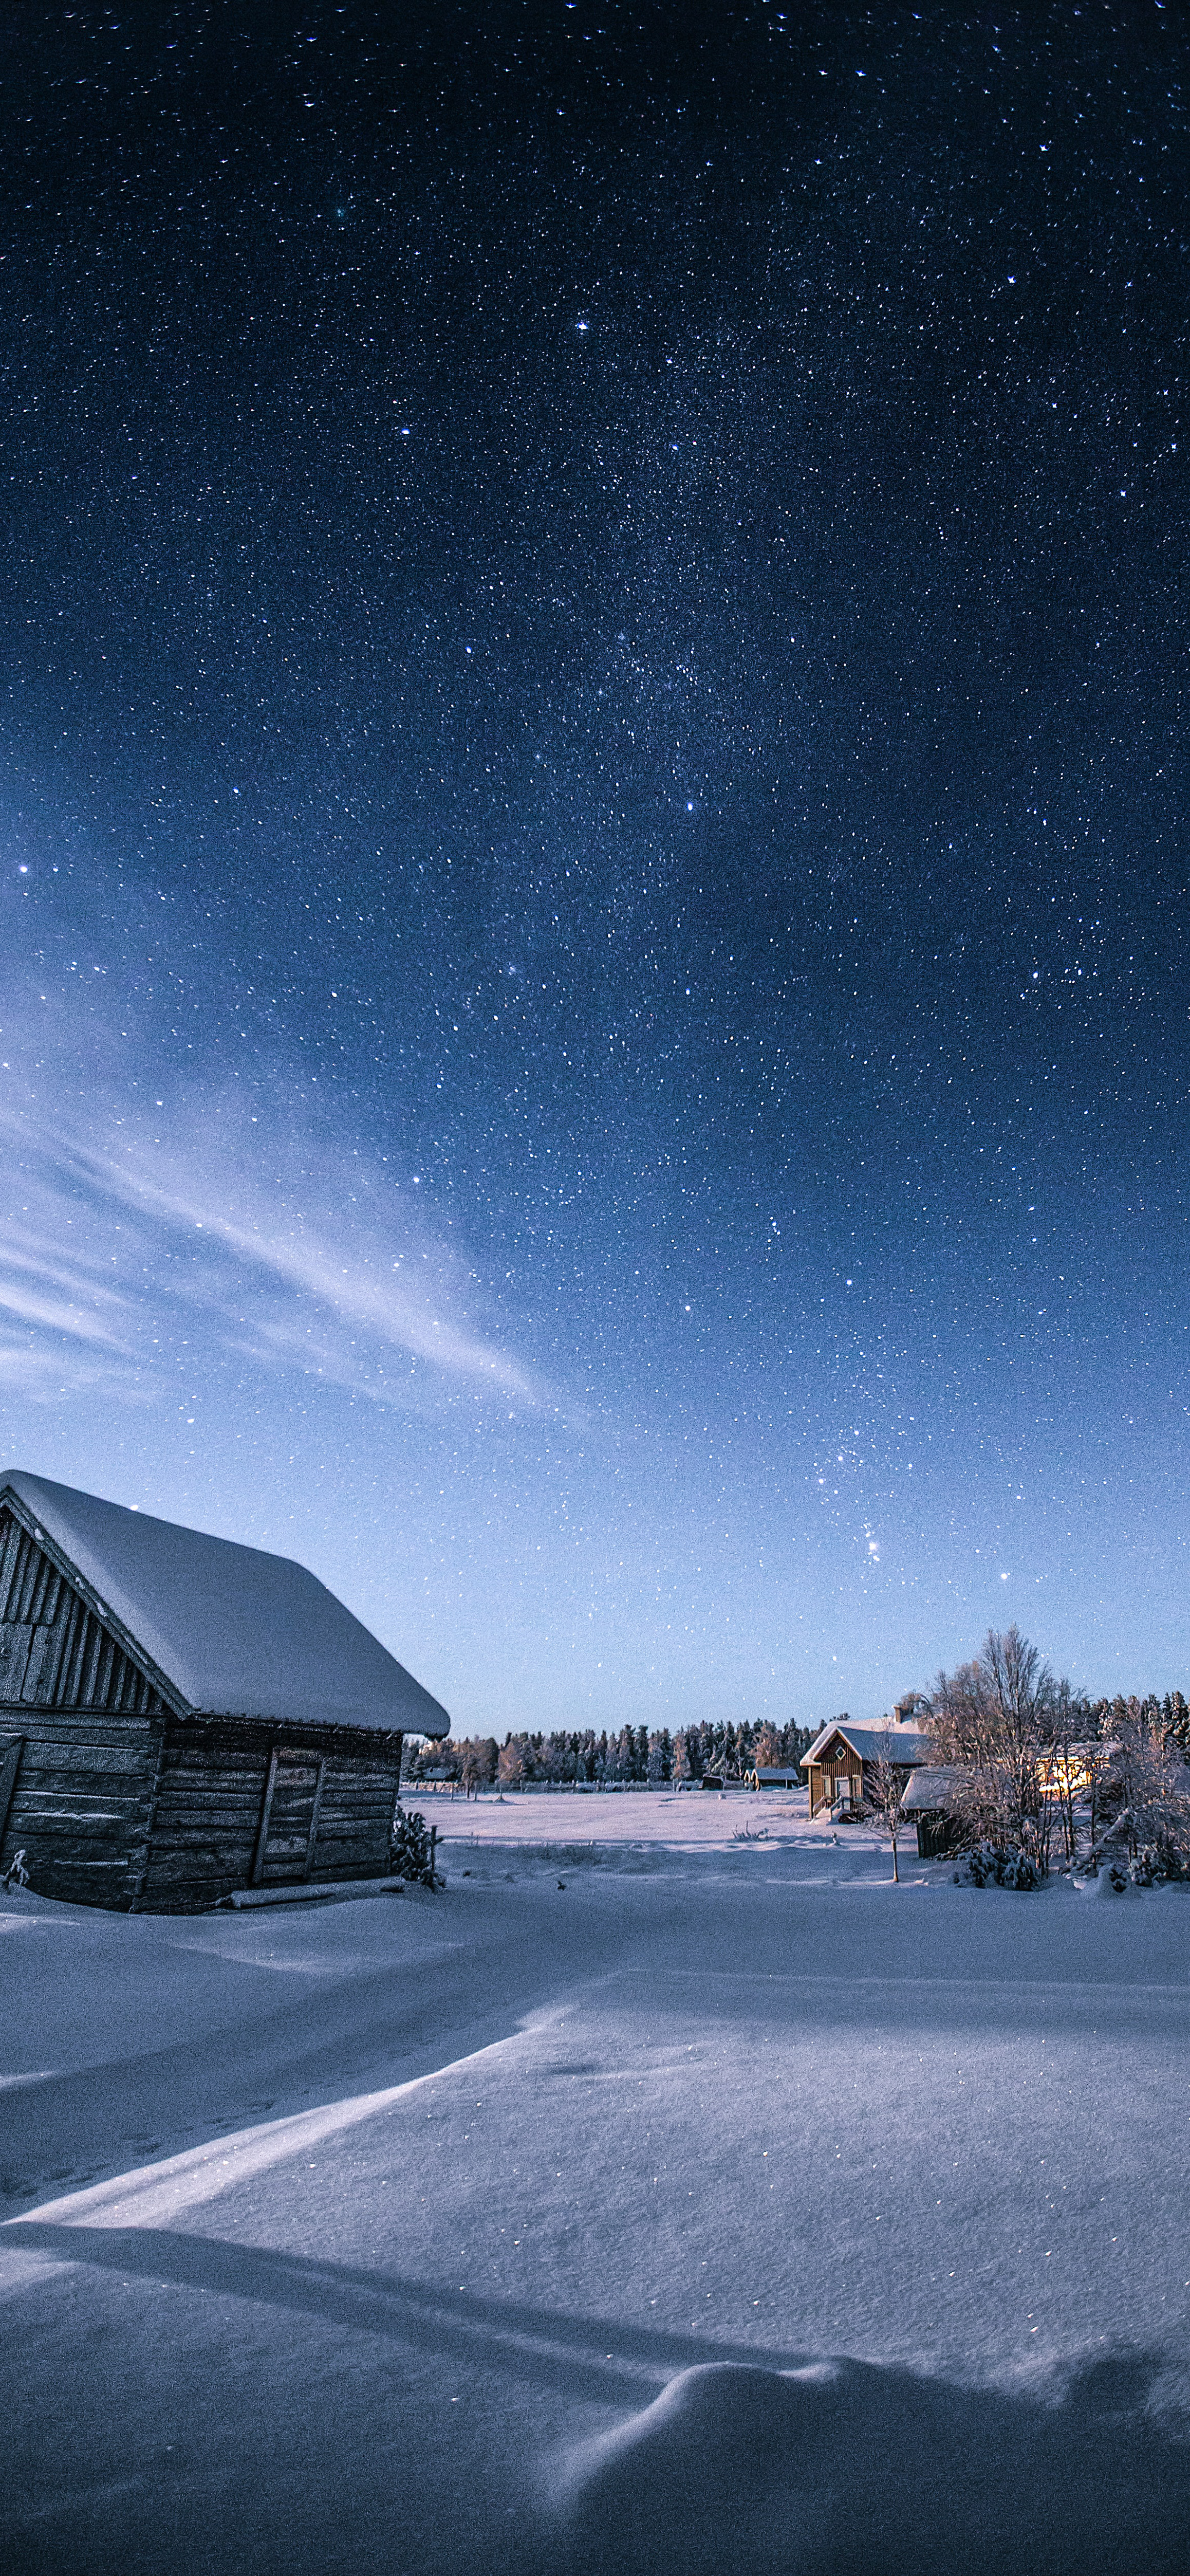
x: 993, y: 1722
x: 884, y: 1788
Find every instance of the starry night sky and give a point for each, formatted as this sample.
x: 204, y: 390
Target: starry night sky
x: 593, y: 979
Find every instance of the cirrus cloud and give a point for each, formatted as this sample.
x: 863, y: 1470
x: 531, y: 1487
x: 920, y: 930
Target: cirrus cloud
x: 303, y: 1258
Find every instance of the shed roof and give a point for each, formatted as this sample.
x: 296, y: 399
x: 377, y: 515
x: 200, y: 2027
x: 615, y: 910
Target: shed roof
x: 232, y: 1631
x: 927, y: 1791
x: 875, y: 1739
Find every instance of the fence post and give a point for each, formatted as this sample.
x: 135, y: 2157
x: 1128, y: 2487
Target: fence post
x: 433, y: 1850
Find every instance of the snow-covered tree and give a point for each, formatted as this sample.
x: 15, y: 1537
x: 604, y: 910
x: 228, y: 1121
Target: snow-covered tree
x: 510, y: 1768
x: 993, y: 1722
x: 1155, y: 1814
x: 884, y: 1788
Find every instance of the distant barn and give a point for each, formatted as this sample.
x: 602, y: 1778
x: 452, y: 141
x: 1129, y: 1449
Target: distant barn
x: 180, y: 1716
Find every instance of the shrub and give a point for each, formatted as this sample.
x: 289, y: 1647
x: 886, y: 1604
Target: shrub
x: 989, y: 1866
x: 411, y: 1849
x: 1153, y: 1864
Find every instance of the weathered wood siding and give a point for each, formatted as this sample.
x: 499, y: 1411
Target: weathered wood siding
x: 209, y: 1800
x: 54, y: 1651
x: 212, y: 1833
x: 80, y: 1803
x: 85, y: 1724
x: 359, y: 1794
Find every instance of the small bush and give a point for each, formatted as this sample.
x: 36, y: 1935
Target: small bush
x: 1155, y: 1865
x: 411, y: 1849
x: 988, y: 1866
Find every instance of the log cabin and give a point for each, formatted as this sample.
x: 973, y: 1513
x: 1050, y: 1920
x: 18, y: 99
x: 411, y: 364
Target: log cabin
x: 845, y: 1751
x: 182, y: 1717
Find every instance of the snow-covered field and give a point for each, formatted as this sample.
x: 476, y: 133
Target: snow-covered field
x: 723, y: 2208
x: 701, y: 1817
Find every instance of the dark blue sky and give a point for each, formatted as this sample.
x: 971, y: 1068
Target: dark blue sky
x: 594, y: 983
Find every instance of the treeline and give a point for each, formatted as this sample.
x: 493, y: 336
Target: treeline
x: 1106, y: 1718
x: 526, y: 1761
x: 722, y: 1749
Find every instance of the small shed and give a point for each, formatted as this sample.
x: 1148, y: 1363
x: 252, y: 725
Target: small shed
x: 926, y: 1803
x: 181, y: 1716
x: 847, y: 1749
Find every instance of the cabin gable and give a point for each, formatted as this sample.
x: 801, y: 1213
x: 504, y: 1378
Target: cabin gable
x: 80, y: 1730
x: 56, y: 1649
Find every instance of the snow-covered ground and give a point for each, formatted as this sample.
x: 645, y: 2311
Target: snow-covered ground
x: 722, y: 2208
x: 698, y: 1817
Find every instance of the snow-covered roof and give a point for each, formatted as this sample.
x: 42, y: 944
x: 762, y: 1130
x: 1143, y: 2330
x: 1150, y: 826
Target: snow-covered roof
x: 927, y: 1790
x: 875, y: 1739
x: 232, y: 1631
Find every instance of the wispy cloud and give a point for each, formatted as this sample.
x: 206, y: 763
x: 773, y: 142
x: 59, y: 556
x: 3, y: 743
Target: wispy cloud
x: 303, y: 1259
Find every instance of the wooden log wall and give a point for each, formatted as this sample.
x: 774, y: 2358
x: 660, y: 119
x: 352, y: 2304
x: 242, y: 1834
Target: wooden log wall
x: 209, y: 1799
x: 216, y: 1773
x: 359, y: 1794
x: 80, y: 1802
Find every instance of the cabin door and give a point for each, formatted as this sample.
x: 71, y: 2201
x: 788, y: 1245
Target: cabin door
x: 289, y: 1820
